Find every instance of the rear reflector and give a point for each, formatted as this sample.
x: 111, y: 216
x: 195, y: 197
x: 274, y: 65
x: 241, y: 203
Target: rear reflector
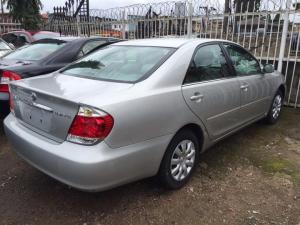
x: 6, y: 77
x: 90, y: 126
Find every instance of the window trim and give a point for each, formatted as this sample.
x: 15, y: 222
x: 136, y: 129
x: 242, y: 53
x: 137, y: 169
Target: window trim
x: 231, y: 62
x: 227, y: 59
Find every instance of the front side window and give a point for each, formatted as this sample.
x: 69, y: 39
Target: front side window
x: 34, y: 52
x: 209, y: 63
x: 119, y: 63
x: 10, y: 38
x: 244, y: 63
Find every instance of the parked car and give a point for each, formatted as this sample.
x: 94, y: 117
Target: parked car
x: 139, y: 108
x: 45, y: 34
x: 42, y: 57
x: 20, y: 38
x: 5, y: 48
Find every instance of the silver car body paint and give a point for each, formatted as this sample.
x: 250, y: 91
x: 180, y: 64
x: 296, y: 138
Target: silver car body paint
x: 146, y: 115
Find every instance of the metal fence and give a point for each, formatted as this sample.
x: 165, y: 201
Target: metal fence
x: 8, y: 24
x: 269, y: 29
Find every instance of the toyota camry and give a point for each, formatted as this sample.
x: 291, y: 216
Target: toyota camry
x: 139, y: 108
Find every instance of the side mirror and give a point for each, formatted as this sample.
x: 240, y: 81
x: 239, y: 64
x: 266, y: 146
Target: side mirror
x: 269, y: 68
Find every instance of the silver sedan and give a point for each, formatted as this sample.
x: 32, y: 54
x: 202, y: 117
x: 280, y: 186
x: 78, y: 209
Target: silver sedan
x: 139, y: 108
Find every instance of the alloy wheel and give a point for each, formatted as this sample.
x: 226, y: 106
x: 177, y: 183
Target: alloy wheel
x: 183, y: 160
x: 276, y: 108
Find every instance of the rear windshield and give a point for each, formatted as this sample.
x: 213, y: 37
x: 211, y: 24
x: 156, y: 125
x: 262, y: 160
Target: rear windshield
x: 34, y: 52
x: 120, y: 63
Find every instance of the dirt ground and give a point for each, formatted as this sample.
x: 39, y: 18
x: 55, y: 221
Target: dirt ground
x: 250, y: 178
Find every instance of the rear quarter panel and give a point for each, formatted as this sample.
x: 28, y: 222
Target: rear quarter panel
x: 152, y: 108
x: 275, y: 80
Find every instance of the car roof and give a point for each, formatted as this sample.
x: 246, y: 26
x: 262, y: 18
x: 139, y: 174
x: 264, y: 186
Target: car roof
x: 168, y: 42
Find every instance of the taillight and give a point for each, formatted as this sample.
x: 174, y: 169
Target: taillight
x: 90, y: 126
x: 6, y: 77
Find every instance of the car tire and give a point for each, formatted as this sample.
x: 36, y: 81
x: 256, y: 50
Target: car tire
x: 275, y: 109
x: 180, y: 160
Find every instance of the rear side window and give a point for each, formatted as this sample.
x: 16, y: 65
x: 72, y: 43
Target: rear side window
x: 244, y: 63
x: 10, y: 38
x: 34, y: 52
x: 209, y: 63
x: 120, y: 63
x: 89, y: 46
x: 92, y: 45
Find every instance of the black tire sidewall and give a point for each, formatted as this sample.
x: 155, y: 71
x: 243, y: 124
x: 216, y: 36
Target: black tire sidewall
x: 165, y: 171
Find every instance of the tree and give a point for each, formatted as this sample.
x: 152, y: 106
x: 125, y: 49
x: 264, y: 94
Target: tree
x: 26, y: 11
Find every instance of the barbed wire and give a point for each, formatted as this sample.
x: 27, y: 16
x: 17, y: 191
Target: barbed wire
x: 178, y: 9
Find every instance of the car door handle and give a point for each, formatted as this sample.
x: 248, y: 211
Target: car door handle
x: 197, y: 97
x: 245, y: 87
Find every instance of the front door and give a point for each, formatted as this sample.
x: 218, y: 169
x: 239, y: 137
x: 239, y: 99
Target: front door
x: 212, y: 91
x: 255, y: 98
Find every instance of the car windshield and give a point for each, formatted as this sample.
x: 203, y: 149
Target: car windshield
x: 120, y: 63
x: 34, y: 52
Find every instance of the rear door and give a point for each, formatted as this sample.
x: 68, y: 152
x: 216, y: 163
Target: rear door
x: 253, y: 83
x: 212, y: 90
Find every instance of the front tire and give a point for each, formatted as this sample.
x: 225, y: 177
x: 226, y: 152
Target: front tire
x: 276, y: 107
x: 180, y: 160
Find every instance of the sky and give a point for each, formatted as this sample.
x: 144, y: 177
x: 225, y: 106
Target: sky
x: 96, y: 4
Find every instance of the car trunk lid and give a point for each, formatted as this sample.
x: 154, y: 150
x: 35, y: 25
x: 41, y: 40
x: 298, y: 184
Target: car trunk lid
x: 49, y: 104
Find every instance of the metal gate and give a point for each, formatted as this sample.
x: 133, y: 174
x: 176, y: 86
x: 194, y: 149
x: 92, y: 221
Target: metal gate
x: 269, y: 29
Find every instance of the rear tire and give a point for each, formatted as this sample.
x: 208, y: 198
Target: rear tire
x: 276, y: 107
x: 180, y: 160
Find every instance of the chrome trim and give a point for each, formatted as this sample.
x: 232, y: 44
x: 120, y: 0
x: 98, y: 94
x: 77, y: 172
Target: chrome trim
x: 43, y: 107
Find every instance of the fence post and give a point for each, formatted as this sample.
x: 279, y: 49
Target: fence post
x: 284, y: 35
x: 78, y: 25
x: 190, y: 15
x: 123, y: 25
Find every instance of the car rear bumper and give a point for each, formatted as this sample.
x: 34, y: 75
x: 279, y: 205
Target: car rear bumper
x: 89, y: 168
